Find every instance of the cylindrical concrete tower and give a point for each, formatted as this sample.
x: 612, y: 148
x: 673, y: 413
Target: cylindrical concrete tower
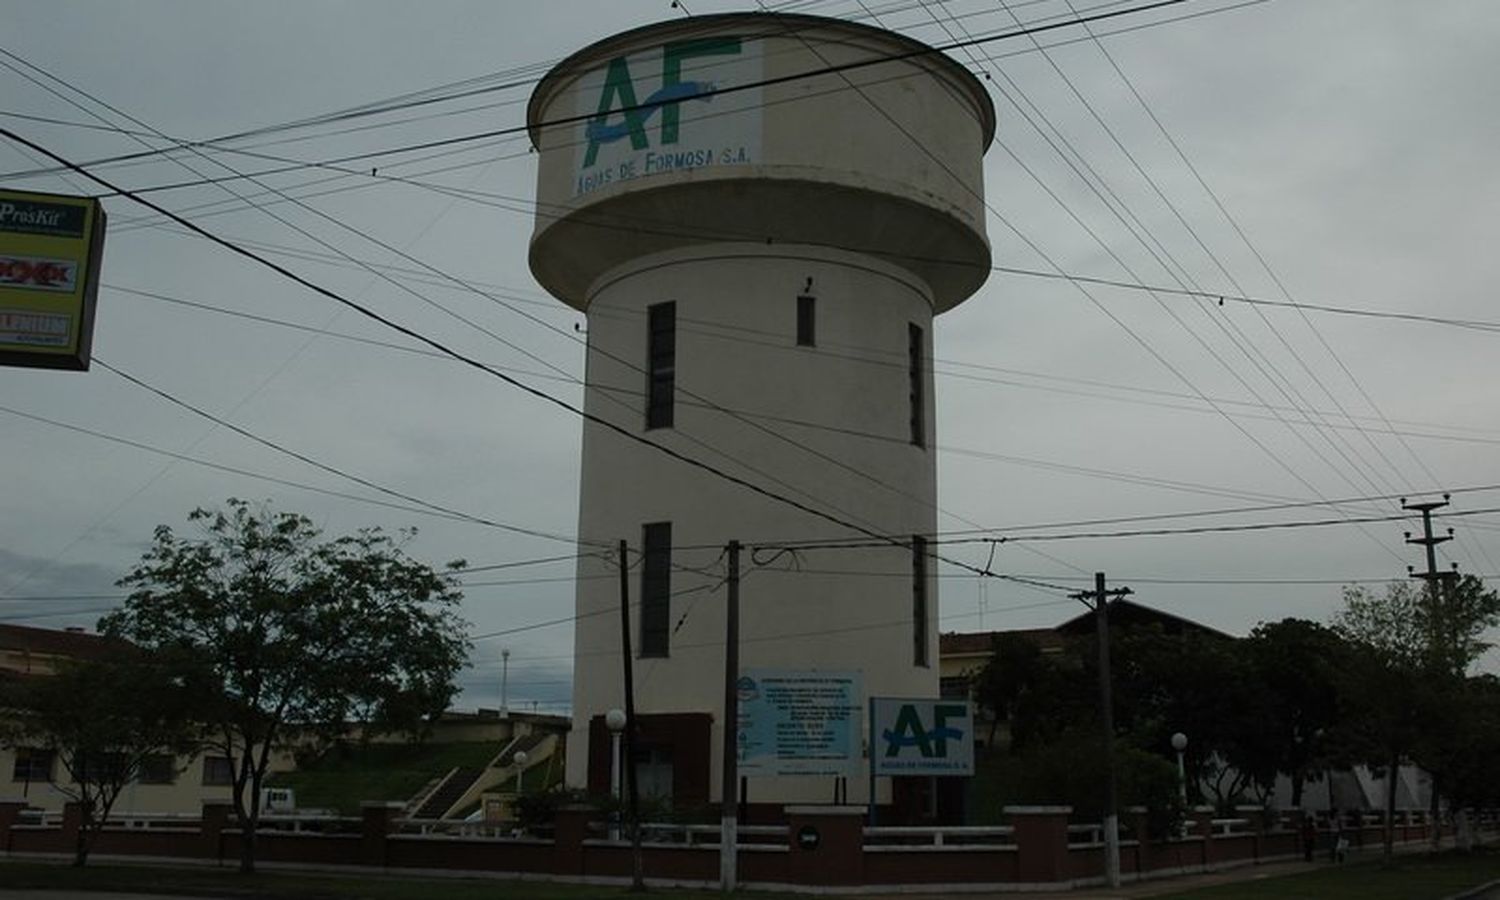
x: 760, y: 215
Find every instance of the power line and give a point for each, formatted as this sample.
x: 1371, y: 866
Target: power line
x: 436, y: 345
x: 736, y: 333
x: 342, y: 224
x: 235, y: 470
x: 1243, y: 341
x: 334, y: 470
x: 963, y: 183
x: 1141, y: 532
x: 917, y: 51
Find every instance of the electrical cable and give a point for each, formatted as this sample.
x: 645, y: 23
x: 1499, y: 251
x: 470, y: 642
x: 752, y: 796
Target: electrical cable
x: 1259, y: 359
x: 235, y: 470
x: 334, y: 470
x: 916, y: 52
x: 735, y: 334
x: 469, y: 361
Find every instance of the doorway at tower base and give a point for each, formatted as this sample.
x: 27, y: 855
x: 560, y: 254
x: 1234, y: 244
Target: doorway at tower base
x: 672, y: 760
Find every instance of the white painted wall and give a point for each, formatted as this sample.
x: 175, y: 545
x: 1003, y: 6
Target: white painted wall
x: 736, y: 312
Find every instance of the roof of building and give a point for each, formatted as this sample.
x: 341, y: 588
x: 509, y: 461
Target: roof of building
x: 980, y: 643
x: 1128, y: 612
x: 53, y: 642
x: 1122, y: 612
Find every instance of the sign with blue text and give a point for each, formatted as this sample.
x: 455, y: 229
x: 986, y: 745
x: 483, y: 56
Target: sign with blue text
x: 795, y: 722
x: 921, y: 737
x: 687, y: 104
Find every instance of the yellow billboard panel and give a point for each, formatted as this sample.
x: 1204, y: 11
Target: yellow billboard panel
x: 50, y: 248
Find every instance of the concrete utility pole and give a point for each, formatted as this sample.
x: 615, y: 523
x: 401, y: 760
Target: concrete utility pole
x: 1440, y: 635
x: 728, y: 807
x: 1436, y: 580
x: 1101, y: 598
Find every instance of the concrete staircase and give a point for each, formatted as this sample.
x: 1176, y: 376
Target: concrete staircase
x: 448, y: 793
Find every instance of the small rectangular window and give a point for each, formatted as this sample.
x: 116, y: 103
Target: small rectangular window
x: 656, y: 588
x: 807, y: 332
x: 158, y: 768
x: 33, y: 764
x: 661, y: 363
x: 915, y: 378
x: 954, y: 687
x: 919, y: 600
x: 102, y: 768
x: 217, y: 770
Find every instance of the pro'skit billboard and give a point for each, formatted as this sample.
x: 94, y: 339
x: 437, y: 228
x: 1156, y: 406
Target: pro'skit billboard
x: 50, y: 249
x: 921, y: 737
x: 682, y: 105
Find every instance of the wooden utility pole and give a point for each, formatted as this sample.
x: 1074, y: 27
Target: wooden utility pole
x: 637, y: 880
x: 1101, y: 598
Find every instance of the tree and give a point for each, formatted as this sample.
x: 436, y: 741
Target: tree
x: 1013, y: 669
x: 299, y: 640
x: 1296, y: 663
x: 1413, y: 648
x: 1465, y: 760
x: 1197, y: 684
x: 105, y: 720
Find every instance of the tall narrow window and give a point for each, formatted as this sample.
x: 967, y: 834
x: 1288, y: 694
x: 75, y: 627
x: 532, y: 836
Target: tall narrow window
x: 807, y: 333
x: 914, y: 378
x: 919, y: 600
x: 661, y: 363
x: 656, y: 588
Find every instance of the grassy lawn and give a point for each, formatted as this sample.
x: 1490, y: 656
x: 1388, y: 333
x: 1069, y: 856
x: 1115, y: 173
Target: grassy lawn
x: 1409, y: 878
x: 303, y: 886
x: 346, y: 777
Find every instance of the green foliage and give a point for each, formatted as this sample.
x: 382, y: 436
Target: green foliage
x: 103, y: 718
x: 1071, y: 770
x: 294, y: 637
x: 1415, y: 628
x: 539, y: 809
x: 1405, y: 684
x: 1464, y: 760
x: 348, y: 774
x: 1296, y: 663
x: 1014, y: 670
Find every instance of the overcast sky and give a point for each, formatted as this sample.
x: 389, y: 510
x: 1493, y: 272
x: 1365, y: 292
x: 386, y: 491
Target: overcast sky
x: 1352, y: 142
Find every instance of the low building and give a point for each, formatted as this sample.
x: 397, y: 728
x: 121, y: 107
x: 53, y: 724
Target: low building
x: 35, y: 775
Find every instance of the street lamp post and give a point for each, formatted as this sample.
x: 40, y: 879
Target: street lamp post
x: 504, y: 683
x: 1179, y: 743
x: 520, y: 761
x: 614, y: 720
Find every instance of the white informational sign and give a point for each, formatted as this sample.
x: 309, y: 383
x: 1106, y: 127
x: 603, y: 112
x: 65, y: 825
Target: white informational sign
x: 921, y: 737
x: 688, y: 104
x: 799, y: 722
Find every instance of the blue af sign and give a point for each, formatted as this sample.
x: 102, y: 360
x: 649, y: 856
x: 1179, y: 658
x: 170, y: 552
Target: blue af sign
x: 689, y: 104
x: 921, y: 737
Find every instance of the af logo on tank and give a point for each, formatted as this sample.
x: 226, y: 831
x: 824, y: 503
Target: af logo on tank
x: 682, y: 105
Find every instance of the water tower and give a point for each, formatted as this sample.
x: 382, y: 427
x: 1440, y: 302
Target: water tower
x: 760, y: 215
